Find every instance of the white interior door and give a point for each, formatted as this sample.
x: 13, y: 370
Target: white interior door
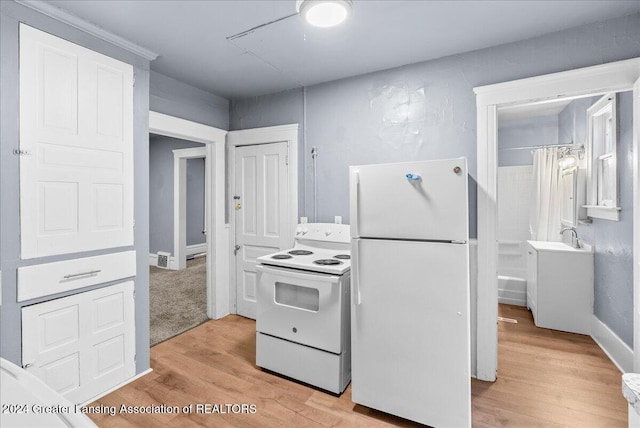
x: 76, y: 142
x: 81, y: 345
x: 261, y: 214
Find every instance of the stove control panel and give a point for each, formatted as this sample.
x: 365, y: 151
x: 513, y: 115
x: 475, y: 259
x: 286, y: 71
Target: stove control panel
x: 329, y: 232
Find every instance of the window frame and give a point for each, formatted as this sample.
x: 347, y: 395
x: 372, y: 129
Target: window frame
x: 602, y: 144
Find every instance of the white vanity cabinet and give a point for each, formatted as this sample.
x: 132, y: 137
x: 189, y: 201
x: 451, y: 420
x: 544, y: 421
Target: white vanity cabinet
x: 560, y: 286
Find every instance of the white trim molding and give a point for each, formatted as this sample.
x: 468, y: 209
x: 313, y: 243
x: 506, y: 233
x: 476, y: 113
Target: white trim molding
x: 196, y: 249
x: 180, y: 157
x: 174, y: 127
x: 636, y: 225
x: 217, y: 232
x: 600, y: 79
x: 599, y: 211
x: 270, y: 134
x: 618, y: 352
x: 68, y: 18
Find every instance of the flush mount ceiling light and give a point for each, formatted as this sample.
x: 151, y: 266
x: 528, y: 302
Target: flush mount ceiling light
x: 324, y: 13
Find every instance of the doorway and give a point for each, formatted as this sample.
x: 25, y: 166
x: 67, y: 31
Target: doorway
x: 596, y: 80
x: 217, y: 243
x: 544, y: 216
x: 177, y: 195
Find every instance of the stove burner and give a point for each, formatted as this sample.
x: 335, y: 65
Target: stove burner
x: 281, y: 256
x: 342, y: 256
x: 327, y: 262
x: 300, y: 252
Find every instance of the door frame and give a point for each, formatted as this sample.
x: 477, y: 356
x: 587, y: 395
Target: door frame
x: 180, y: 157
x: 217, y: 231
x: 599, y: 79
x: 254, y: 136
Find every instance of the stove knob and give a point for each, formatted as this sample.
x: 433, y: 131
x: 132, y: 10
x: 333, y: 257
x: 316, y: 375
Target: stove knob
x: 327, y: 232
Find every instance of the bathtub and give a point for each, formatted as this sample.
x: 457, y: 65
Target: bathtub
x: 512, y: 272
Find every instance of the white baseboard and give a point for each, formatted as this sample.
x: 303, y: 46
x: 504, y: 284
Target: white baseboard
x: 153, y: 261
x: 618, y: 352
x: 196, y: 249
x: 109, y: 391
x: 511, y: 297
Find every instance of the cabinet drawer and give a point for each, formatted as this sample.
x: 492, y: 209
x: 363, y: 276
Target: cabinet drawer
x: 50, y: 278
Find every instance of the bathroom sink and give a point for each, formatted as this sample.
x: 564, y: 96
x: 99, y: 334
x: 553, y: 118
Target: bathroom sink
x: 556, y: 246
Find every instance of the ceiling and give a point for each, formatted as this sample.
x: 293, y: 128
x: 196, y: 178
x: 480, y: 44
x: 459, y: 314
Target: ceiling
x: 191, y: 36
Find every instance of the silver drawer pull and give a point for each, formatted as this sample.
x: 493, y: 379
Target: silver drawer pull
x: 74, y: 275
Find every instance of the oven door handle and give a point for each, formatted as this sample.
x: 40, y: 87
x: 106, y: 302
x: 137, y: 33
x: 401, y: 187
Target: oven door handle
x: 356, y: 298
x: 288, y: 273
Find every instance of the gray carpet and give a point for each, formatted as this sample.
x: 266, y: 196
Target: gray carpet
x: 177, y: 299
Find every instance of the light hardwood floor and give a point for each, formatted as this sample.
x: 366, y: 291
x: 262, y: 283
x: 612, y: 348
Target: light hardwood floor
x: 545, y: 379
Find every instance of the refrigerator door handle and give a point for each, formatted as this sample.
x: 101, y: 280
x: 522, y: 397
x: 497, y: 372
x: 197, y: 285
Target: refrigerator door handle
x: 355, y: 278
x: 355, y: 206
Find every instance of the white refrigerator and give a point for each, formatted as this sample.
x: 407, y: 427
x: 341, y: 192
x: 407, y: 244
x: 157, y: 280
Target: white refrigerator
x: 410, y: 290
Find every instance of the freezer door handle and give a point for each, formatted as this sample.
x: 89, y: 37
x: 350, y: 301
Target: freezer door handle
x: 356, y: 298
x: 355, y: 206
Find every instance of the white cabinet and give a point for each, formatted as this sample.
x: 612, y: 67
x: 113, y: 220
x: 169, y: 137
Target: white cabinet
x: 560, y: 286
x: 76, y: 195
x: 76, y: 142
x: 81, y: 345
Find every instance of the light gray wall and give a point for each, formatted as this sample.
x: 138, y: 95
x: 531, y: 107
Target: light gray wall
x: 10, y: 326
x: 195, y: 202
x: 161, y: 193
x: 282, y: 108
x: 175, y: 98
x: 351, y: 121
x: 613, y: 240
x: 536, y: 131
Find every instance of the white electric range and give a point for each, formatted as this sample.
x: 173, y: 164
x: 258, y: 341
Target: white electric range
x: 303, y: 316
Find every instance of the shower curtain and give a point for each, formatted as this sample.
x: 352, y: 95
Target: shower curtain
x: 544, y: 219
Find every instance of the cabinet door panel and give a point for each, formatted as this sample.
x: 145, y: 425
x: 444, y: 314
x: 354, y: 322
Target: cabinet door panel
x: 81, y: 345
x: 76, y: 133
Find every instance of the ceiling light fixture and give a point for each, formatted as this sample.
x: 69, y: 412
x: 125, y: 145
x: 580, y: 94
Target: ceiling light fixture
x: 324, y: 13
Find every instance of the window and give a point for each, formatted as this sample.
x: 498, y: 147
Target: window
x: 602, y: 161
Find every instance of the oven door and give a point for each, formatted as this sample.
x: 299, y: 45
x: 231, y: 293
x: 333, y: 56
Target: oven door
x: 302, y: 307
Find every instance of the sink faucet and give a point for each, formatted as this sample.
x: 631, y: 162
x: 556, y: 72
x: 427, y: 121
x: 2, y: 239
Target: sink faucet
x: 575, y: 233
